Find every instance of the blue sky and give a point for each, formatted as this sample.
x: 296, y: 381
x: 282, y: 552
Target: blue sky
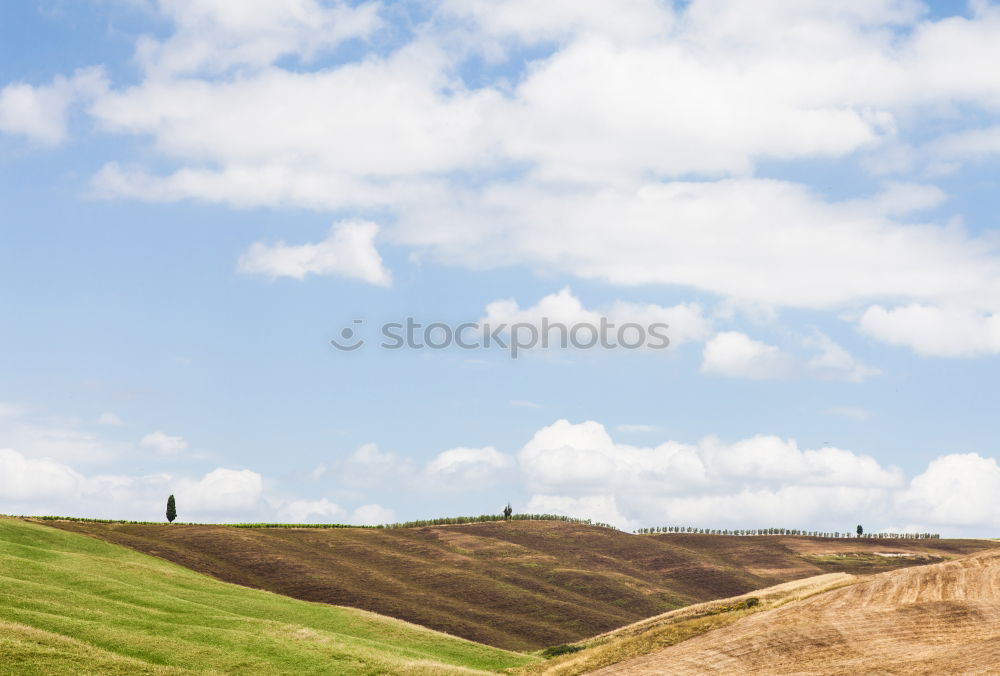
x: 197, y: 196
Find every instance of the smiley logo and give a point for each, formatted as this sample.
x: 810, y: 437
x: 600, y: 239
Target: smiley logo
x: 350, y: 343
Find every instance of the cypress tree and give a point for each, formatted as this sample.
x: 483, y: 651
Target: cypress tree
x: 171, y: 509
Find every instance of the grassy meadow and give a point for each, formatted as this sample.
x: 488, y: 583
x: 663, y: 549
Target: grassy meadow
x: 72, y: 604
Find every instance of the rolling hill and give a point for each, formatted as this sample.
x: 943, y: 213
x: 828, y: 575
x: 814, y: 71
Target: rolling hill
x: 519, y: 585
x: 936, y: 619
x: 71, y: 604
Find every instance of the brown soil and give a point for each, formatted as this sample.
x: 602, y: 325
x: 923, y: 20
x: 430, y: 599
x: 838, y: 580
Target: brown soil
x: 520, y: 585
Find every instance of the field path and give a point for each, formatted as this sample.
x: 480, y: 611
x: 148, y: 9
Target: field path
x: 937, y: 619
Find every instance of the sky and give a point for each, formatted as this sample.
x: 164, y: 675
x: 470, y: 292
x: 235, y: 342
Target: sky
x: 198, y: 196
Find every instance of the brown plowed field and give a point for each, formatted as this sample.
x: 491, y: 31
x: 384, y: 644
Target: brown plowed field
x: 938, y: 619
x: 519, y: 585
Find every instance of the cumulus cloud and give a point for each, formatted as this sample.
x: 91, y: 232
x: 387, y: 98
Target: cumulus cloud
x: 372, y: 515
x: 591, y: 162
x: 833, y: 362
x: 972, y: 144
x: 599, y: 508
x: 954, y: 490
x: 163, y: 443
x: 44, y: 486
x: 214, y: 35
x: 40, y: 112
x: 731, y: 353
x: 734, y: 354
x: 579, y: 470
x: 369, y: 466
x: 633, y: 149
x: 24, y: 478
x: 528, y: 22
x: 686, y: 321
x: 349, y: 251
x: 581, y: 457
x: 310, y: 511
x: 37, y: 486
x: 325, y: 511
x: 222, y: 492
x: 455, y: 469
x: 937, y: 331
x: 462, y: 468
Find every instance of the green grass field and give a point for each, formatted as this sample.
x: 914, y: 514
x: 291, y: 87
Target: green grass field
x: 520, y: 585
x: 71, y: 604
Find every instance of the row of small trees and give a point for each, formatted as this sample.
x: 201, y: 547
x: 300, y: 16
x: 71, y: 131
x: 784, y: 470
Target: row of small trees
x: 454, y: 520
x: 786, y: 531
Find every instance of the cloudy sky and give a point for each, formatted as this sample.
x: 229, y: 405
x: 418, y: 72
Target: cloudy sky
x: 198, y: 195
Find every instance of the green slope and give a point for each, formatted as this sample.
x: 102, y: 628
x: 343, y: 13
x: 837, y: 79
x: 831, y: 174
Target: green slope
x: 519, y: 585
x: 71, y: 604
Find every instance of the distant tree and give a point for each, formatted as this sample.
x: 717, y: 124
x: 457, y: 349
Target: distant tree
x: 860, y: 530
x: 507, y: 511
x: 171, y: 509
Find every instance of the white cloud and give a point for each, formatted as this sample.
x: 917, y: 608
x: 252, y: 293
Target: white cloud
x: 109, y: 418
x: 163, y: 443
x: 756, y: 241
x: 600, y: 508
x: 734, y: 354
x: 835, y: 363
x: 23, y: 478
x: 215, y: 35
x: 372, y: 515
x: 528, y: 21
x: 40, y: 112
x: 762, y: 481
x: 311, y: 511
x: 348, y: 251
x: 937, y: 331
x: 686, y: 321
x: 731, y: 353
x: 970, y: 144
x: 955, y: 490
x: 45, y: 486
x: 584, y: 458
x: 324, y: 511
x: 572, y: 469
x: 616, y: 156
x: 369, y: 466
x: 468, y: 468
x: 221, y: 493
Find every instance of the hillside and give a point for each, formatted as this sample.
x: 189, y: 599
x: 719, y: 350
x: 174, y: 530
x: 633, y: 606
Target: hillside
x: 520, y: 585
x: 655, y: 633
x: 75, y: 605
x: 938, y: 619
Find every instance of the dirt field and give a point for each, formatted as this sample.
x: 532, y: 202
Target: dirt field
x: 939, y: 619
x: 521, y: 585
